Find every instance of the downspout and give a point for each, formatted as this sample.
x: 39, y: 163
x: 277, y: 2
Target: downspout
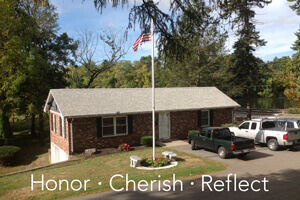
x: 71, y: 129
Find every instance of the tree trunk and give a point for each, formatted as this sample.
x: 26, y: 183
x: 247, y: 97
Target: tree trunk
x: 248, y: 104
x: 5, y: 129
x: 41, y: 127
x: 33, y: 133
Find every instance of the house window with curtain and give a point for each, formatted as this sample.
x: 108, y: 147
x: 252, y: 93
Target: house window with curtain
x: 205, y: 118
x: 114, y: 126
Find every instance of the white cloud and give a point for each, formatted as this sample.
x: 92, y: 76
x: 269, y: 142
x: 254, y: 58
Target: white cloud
x: 277, y: 24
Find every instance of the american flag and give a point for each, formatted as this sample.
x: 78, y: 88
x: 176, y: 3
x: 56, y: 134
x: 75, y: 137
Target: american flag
x: 144, y: 37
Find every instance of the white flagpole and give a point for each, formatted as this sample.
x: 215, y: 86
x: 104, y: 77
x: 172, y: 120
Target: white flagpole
x: 153, y: 91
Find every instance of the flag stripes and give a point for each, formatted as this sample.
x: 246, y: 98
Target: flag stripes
x: 145, y: 37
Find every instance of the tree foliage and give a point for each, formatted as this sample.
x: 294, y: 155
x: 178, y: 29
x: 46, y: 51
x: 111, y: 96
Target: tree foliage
x: 124, y: 74
x: 113, y: 49
x: 202, y: 62
x: 165, y: 23
x: 32, y: 56
x: 295, y: 6
x: 292, y: 78
x: 16, y: 34
x: 245, y: 66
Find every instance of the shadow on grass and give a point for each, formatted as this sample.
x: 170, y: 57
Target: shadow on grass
x: 179, y: 159
x: 30, y: 148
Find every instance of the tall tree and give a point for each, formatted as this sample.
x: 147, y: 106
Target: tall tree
x: 50, y: 54
x: 292, y: 79
x: 16, y: 34
x: 244, y: 68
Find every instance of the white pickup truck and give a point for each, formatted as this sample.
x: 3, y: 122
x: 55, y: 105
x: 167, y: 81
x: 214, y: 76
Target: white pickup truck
x: 273, y: 132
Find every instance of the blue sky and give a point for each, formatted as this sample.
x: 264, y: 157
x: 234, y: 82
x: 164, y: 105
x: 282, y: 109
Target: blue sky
x: 277, y: 24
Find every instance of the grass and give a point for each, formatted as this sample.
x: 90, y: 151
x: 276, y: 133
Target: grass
x: 293, y: 111
x: 32, y: 154
x: 102, y: 169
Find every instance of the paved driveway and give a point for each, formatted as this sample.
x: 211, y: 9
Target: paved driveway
x: 280, y: 168
x: 261, y: 161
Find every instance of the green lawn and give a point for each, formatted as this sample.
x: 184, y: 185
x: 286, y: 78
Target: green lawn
x: 32, y: 154
x: 102, y: 169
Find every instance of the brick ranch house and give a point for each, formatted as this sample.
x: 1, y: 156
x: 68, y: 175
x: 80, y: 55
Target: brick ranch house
x: 99, y: 118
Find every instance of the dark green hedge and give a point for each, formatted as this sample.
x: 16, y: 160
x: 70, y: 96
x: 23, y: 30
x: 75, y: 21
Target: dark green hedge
x: 8, y: 154
x: 147, y: 141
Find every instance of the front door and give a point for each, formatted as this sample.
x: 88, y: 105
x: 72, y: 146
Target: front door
x: 164, y: 125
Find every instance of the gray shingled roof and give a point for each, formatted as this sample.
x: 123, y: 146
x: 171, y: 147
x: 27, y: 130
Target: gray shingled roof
x: 93, y: 102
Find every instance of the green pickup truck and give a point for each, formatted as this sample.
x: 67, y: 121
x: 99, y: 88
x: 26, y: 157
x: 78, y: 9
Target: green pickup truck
x: 221, y: 140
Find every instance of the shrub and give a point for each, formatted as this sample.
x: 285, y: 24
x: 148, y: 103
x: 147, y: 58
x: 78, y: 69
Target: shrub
x: 159, y: 161
x: 193, y: 132
x: 293, y: 111
x: 147, y: 141
x: 228, y: 125
x: 124, y: 147
x: 8, y: 154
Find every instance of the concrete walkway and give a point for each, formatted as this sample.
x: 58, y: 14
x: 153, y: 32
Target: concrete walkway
x: 172, y: 143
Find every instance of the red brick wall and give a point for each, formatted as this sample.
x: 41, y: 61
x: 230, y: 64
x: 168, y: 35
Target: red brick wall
x: 222, y: 116
x: 182, y: 122
x: 85, y: 133
x: 85, y: 129
x: 63, y: 143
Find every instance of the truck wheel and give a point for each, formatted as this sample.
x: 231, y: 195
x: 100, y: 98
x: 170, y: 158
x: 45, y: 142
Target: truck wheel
x: 273, y: 144
x: 222, y: 152
x: 193, y: 145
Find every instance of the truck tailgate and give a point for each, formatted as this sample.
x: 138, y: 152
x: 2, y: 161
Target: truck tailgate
x: 243, y: 143
x: 293, y: 134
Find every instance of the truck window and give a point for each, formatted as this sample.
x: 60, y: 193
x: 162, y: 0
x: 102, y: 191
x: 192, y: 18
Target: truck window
x: 224, y: 133
x: 208, y: 134
x: 203, y: 133
x: 216, y: 133
x: 290, y: 125
x: 253, y: 125
x: 280, y: 123
x: 245, y: 125
x: 268, y: 124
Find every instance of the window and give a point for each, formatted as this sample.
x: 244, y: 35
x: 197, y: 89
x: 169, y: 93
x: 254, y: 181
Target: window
x: 114, y: 126
x: 53, y: 123
x: 267, y: 124
x: 290, y: 125
x: 65, y: 128
x: 203, y: 132
x: 60, y: 126
x: 208, y: 134
x: 253, y: 126
x: 204, y: 118
x: 245, y: 125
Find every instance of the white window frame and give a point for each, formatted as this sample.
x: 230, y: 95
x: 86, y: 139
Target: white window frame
x: 208, y: 118
x: 115, y: 126
x: 54, y: 123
